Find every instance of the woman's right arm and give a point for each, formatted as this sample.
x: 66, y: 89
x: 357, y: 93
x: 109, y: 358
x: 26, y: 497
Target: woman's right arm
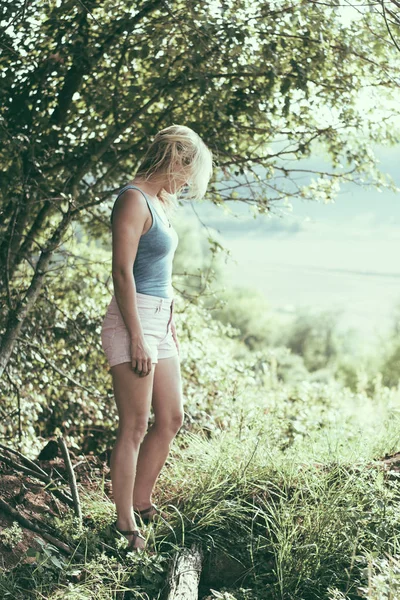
x: 130, y: 214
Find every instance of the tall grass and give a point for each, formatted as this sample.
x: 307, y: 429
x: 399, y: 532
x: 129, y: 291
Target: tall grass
x: 302, y: 520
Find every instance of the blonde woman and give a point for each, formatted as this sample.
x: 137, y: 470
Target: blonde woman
x: 138, y: 333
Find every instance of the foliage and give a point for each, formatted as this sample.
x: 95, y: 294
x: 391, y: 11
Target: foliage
x: 382, y: 576
x: 241, y: 74
x: 248, y: 311
x: 310, y: 508
x: 389, y: 361
x: 277, y: 478
x: 59, y: 378
x: 315, y: 338
x: 276, y: 466
x: 11, y: 536
x: 198, y: 260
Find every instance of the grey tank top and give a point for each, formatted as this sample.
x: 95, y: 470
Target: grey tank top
x: 152, y: 268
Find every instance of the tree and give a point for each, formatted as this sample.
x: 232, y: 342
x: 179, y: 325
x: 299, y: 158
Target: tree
x: 85, y: 86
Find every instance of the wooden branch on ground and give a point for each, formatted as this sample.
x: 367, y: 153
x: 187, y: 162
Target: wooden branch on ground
x: 44, y: 478
x: 184, y: 576
x: 29, y: 525
x: 71, y: 477
x: 27, y: 461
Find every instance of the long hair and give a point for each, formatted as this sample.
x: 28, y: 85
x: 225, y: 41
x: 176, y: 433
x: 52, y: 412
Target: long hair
x: 177, y: 151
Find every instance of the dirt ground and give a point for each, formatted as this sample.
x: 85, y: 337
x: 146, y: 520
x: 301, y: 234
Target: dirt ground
x: 28, y: 496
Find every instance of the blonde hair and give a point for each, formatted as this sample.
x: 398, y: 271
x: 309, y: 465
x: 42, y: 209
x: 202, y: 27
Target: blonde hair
x: 177, y: 151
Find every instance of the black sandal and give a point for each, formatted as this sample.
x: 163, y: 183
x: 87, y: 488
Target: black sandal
x: 135, y: 532
x: 147, y: 511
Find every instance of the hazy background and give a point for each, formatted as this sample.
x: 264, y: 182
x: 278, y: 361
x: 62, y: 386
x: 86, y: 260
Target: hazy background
x: 341, y: 256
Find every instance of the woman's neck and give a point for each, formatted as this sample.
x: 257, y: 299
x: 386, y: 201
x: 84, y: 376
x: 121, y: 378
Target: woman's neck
x: 152, y: 193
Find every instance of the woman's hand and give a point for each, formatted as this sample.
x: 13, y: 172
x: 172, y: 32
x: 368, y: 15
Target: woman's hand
x: 173, y: 331
x: 141, y: 356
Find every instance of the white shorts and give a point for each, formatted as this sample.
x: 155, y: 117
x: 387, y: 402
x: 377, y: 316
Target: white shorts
x: 155, y: 315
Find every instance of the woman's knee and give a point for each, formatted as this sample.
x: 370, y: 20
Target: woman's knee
x: 170, y: 423
x: 133, y: 432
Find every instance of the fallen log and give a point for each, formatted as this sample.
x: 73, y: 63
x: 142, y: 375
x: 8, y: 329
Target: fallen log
x: 184, y: 575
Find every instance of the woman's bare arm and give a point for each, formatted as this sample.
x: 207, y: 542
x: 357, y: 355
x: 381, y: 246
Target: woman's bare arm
x: 129, y: 217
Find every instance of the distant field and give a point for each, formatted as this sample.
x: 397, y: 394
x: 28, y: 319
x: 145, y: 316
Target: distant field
x: 361, y: 278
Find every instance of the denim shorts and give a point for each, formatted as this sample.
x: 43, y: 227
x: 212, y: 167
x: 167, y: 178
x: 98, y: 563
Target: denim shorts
x: 155, y: 314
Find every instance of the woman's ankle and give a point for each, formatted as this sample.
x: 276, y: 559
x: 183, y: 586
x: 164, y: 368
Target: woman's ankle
x: 142, y: 504
x: 126, y: 523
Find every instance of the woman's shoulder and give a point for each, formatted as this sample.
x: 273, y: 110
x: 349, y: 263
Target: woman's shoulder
x: 130, y: 200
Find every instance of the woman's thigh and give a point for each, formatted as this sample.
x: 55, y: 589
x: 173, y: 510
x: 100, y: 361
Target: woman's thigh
x: 133, y: 395
x: 167, y: 393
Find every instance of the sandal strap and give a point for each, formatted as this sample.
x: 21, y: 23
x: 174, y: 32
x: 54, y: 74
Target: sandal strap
x: 146, y: 510
x: 134, y: 532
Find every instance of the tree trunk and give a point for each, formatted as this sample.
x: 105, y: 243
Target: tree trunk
x: 17, y: 316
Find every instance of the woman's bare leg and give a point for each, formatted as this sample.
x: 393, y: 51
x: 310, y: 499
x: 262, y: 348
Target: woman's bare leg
x: 167, y: 404
x: 133, y: 398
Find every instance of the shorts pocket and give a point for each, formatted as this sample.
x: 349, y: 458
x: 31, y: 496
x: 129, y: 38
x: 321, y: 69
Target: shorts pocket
x: 108, y: 330
x: 147, y: 311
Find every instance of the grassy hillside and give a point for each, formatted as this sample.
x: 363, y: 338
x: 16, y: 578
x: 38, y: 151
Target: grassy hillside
x: 285, y: 471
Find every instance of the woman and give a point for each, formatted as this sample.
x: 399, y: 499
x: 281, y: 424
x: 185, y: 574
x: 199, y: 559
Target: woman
x: 138, y: 333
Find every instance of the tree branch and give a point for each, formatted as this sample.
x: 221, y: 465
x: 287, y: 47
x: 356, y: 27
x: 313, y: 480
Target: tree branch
x: 17, y: 316
x: 39, y: 530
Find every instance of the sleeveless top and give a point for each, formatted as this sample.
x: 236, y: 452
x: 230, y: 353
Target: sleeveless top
x: 152, y: 268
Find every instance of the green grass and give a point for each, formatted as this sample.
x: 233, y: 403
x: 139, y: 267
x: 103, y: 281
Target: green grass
x: 289, y: 501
